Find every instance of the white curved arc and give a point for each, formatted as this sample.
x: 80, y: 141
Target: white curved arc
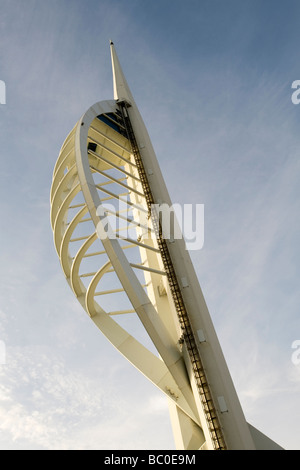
x: 61, y: 212
x: 76, y: 283
x: 68, y: 140
x: 143, y: 306
x: 64, y: 189
x: 135, y: 291
x: 64, y: 248
x: 92, y: 307
x: 121, y: 265
x: 67, y: 161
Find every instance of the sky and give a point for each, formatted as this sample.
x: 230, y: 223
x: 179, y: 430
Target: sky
x: 212, y: 80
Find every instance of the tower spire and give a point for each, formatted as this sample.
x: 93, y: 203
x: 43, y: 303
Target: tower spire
x: 121, y: 89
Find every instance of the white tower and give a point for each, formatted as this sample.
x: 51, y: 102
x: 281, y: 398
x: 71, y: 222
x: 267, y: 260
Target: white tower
x: 118, y: 263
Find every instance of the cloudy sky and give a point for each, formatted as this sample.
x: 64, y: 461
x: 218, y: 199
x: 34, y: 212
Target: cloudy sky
x: 212, y: 79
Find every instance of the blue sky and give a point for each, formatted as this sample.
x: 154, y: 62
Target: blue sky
x: 213, y: 83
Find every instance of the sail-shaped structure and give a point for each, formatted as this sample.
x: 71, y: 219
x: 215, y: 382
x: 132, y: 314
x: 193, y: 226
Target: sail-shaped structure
x: 120, y: 265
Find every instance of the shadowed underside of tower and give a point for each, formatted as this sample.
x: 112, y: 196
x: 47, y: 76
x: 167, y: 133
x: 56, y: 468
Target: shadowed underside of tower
x: 130, y: 277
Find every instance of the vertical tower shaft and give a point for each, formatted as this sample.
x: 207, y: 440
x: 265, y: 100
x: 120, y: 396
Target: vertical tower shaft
x: 187, y: 332
x: 207, y: 362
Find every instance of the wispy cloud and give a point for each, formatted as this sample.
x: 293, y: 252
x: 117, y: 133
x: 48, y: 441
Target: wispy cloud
x: 45, y: 405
